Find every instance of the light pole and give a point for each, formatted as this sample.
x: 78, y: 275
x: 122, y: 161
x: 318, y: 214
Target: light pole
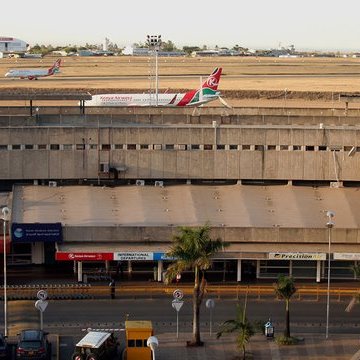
x: 329, y: 225
x: 5, y: 212
x: 152, y: 343
x: 154, y: 42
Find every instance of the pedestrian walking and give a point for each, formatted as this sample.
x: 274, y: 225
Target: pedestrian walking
x: 112, y: 289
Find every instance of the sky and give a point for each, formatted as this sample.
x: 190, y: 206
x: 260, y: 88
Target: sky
x: 254, y: 24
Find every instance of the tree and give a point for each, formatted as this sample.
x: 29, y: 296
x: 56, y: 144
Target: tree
x: 239, y: 325
x: 285, y: 288
x: 193, y: 249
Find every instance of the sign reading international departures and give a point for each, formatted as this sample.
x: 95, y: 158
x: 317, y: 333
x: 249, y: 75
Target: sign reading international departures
x: 119, y: 256
x: 36, y: 232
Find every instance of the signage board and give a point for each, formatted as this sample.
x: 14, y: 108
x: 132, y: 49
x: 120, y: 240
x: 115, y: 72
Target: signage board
x: 41, y: 305
x: 83, y: 256
x: 297, y: 256
x: 177, y: 304
x: 133, y: 255
x: 161, y: 256
x: 42, y: 295
x: 36, y: 232
x: 178, y: 294
x: 346, y: 256
x: 210, y: 303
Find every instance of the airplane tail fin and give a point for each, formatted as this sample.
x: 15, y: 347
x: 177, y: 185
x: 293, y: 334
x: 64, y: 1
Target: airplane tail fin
x: 212, y: 82
x: 55, y: 68
x: 206, y: 90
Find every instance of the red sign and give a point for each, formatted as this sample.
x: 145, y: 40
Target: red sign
x: 71, y: 256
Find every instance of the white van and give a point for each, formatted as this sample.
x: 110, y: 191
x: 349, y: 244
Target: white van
x: 96, y: 345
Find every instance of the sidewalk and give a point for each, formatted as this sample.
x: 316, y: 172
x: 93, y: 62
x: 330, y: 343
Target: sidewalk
x: 314, y: 347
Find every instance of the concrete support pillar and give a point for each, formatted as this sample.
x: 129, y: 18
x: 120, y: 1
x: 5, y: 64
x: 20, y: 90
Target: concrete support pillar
x: 290, y: 268
x: 129, y: 267
x: 238, y: 275
x: 160, y: 270
x: 75, y: 267
x: 318, y: 270
x: 80, y: 272
x: 257, y: 269
x: 107, y: 266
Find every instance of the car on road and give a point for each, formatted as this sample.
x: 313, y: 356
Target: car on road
x: 4, y: 348
x: 96, y: 345
x: 33, y: 344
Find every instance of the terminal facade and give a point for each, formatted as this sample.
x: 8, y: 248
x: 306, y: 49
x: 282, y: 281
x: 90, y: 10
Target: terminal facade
x: 121, y: 182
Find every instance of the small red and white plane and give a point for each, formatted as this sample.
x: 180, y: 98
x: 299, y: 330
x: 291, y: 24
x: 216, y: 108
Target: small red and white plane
x: 207, y: 92
x: 34, y: 74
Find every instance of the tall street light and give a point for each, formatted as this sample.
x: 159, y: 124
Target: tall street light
x: 330, y: 223
x: 154, y: 42
x: 5, y: 212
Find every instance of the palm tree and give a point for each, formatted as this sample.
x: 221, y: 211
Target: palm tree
x: 285, y: 288
x: 240, y: 325
x: 193, y: 249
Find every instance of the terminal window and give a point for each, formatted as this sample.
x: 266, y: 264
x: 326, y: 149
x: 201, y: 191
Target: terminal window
x: 42, y: 147
x: 54, y: 147
x: 80, y: 146
x: 208, y: 147
x: 220, y: 147
x: 233, y: 147
x: 16, y: 147
x: 3, y: 147
x: 29, y: 146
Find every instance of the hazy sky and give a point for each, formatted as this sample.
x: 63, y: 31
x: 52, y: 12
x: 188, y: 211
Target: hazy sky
x: 308, y: 24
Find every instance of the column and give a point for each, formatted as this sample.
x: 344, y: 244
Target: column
x: 160, y: 270
x: 257, y: 269
x: 290, y: 268
x: 318, y: 270
x: 80, y: 272
x: 107, y: 266
x: 238, y: 276
x: 129, y: 267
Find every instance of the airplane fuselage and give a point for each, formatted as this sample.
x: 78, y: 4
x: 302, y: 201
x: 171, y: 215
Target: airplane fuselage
x: 149, y: 100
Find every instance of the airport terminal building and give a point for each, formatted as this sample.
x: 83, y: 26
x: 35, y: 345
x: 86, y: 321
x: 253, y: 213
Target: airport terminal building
x: 113, y: 186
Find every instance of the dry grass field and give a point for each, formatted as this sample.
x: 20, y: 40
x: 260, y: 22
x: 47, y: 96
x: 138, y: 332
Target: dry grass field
x: 244, y: 79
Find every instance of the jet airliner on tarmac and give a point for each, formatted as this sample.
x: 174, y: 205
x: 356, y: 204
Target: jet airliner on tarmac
x: 207, y: 92
x: 34, y: 74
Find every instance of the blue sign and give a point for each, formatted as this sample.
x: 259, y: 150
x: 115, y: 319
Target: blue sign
x: 37, y: 232
x: 161, y: 256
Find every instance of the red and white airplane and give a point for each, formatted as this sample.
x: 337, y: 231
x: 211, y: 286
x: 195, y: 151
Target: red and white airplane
x: 34, y: 74
x: 207, y: 92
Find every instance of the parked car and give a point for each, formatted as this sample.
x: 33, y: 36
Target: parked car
x: 4, y: 349
x: 96, y: 345
x: 33, y: 345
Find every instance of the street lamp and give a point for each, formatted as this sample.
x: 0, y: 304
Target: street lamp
x: 5, y: 212
x: 154, y: 42
x: 152, y: 343
x: 329, y: 225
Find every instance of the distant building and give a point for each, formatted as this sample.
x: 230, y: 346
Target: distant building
x: 12, y: 45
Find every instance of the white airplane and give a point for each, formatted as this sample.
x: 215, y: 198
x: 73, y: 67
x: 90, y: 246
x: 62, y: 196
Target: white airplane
x: 207, y: 92
x: 34, y: 74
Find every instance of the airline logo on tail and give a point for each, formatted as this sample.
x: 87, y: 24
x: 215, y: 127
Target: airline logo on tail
x: 55, y: 68
x: 206, y: 93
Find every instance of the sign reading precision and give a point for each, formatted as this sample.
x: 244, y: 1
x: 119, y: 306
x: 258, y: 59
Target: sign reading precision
x: 297, y: 256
